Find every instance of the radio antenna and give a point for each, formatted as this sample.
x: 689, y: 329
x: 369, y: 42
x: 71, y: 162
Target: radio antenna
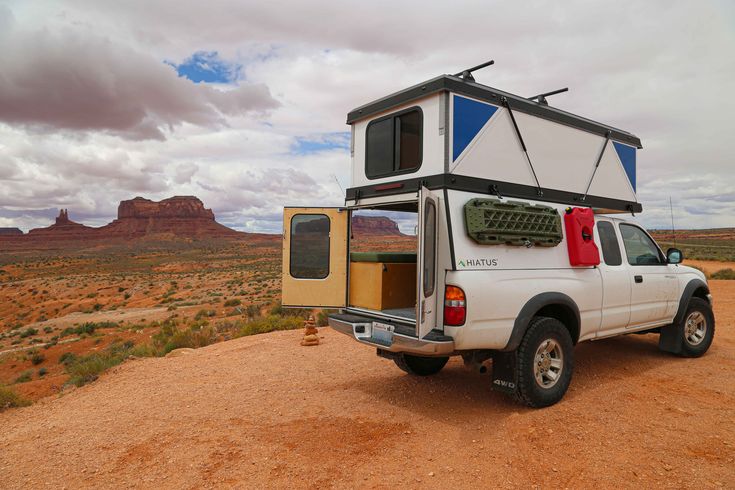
x: 673, y: 230
x: 339, y: 185
x: 542, y: 97
x: 467, y: 74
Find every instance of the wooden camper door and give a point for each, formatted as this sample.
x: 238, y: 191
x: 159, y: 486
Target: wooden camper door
x: 314, y: 257
x: 426, y: 265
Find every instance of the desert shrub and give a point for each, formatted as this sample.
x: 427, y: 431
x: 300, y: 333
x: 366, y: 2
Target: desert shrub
x: 201, y: 314
x: 322, y: 319
x: 87, y: 328
x: 28, y: 332
x: 48, y: 329
x: 37, y: 358
x: 127, y: 296
x: 728, y: 274
x: 267, y: 324
x: 172, y: 337
x: 24, y: 377
x: 10, y: 399
x: 67, y: 358
x: 85, y: 369
x: 279, y: 310
x: 232, y: 302
x: 42, y: 372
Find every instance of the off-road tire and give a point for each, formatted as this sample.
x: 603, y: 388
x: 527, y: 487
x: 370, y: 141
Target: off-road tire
x: 688, y: 349
x: 529, y: 391
x: 420, y: 366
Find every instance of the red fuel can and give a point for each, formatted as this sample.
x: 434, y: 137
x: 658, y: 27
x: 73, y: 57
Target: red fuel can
x: 579, y: 224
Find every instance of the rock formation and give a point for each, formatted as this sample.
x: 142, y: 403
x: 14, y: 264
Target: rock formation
x: 64, y: 228
x: 374, y: 226
x: 179, y: 215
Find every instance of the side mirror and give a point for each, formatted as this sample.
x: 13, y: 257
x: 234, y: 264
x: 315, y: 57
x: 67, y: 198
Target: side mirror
x: 674, y: 256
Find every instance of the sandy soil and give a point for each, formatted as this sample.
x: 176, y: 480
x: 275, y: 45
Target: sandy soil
x: 710, y: 266
x: 263, y: 411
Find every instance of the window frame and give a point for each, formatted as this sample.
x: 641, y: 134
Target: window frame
x: 329, y: 247
x: 429, y: 203
x: 661, y: 255
x: 421, y: 143
x: 617, y: 243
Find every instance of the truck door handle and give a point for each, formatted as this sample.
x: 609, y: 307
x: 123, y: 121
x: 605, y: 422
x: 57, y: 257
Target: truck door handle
x: 638, y: 279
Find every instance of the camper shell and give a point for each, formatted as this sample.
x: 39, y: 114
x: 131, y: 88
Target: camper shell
x: 507, y: 195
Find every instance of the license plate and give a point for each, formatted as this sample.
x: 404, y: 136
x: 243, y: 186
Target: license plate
x: 382, y: 333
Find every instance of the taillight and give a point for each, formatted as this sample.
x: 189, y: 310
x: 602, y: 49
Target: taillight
x: 455, y: 307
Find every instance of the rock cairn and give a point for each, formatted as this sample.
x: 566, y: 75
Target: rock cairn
x: 311, y: 334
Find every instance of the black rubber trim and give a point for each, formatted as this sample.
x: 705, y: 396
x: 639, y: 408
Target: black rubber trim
x: 459, y: 86
x: 449, y: 229
x: 530, y: 309
x: 437, y: 336
x: 493, y: 187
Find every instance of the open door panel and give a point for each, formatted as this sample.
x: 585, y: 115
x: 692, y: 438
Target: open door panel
x: 426, y: 287
x: 314, y: 257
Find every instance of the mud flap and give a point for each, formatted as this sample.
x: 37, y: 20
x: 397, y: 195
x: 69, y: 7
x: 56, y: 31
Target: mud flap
x: 505, y: 372
x: 671, y: 338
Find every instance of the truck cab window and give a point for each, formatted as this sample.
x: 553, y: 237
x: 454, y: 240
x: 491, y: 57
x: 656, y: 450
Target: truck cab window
x: 394, y: 144
x: 429, y: 248
x: 639, y: 247
x: 609, y: 242
x: 309, y: 251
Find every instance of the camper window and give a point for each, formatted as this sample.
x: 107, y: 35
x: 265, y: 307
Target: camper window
x: 394, y: 144
x: 309, y: 251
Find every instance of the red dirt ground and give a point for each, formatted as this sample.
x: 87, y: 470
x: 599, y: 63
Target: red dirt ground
x: 263, y: 411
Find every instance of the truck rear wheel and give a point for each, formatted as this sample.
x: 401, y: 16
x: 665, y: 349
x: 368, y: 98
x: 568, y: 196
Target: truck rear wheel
x: 545, y: 363
x: 420, y: 366
x: 699, y: 328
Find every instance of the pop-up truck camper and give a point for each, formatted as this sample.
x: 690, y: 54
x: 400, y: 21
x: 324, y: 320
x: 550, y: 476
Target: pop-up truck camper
x: 522, y: 246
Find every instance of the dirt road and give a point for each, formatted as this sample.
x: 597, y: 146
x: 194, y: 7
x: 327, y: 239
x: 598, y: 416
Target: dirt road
x: 264, y: 412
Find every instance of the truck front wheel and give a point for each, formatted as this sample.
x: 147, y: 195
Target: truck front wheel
x: 699, y: 328
x: 545, y: 363
x: 420, y: 366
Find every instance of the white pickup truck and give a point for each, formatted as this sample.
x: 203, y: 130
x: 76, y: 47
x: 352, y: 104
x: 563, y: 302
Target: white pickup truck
x: 519, y: 253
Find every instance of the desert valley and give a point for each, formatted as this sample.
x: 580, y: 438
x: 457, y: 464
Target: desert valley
x: 103, y: 321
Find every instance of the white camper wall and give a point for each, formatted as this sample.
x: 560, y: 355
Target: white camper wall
x: 563, y: 157
x: 432, y: 150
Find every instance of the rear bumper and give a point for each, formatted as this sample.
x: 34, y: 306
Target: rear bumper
x: 359, y: 328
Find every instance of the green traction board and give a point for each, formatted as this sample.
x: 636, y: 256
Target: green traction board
x: 495, y: 222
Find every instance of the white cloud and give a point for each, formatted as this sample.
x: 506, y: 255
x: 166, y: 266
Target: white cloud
x: 659, y: 69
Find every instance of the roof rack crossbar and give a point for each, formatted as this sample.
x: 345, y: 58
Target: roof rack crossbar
x: 467, y: 74
x: 542, y: 97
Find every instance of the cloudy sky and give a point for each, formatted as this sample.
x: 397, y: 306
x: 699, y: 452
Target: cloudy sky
x: 243, y: 103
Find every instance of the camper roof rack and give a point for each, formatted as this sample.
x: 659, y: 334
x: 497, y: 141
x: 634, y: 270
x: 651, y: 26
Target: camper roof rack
x: 541, y: 98
x: 467, y: 74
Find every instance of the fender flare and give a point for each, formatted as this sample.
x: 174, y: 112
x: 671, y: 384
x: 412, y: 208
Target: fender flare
x: 672, y: 336
x: 689, y: 289
x: 532, y: 307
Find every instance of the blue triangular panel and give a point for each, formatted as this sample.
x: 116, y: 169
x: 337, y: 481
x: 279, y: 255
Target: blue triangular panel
x: 469, y: 118
x: 627, y: 157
